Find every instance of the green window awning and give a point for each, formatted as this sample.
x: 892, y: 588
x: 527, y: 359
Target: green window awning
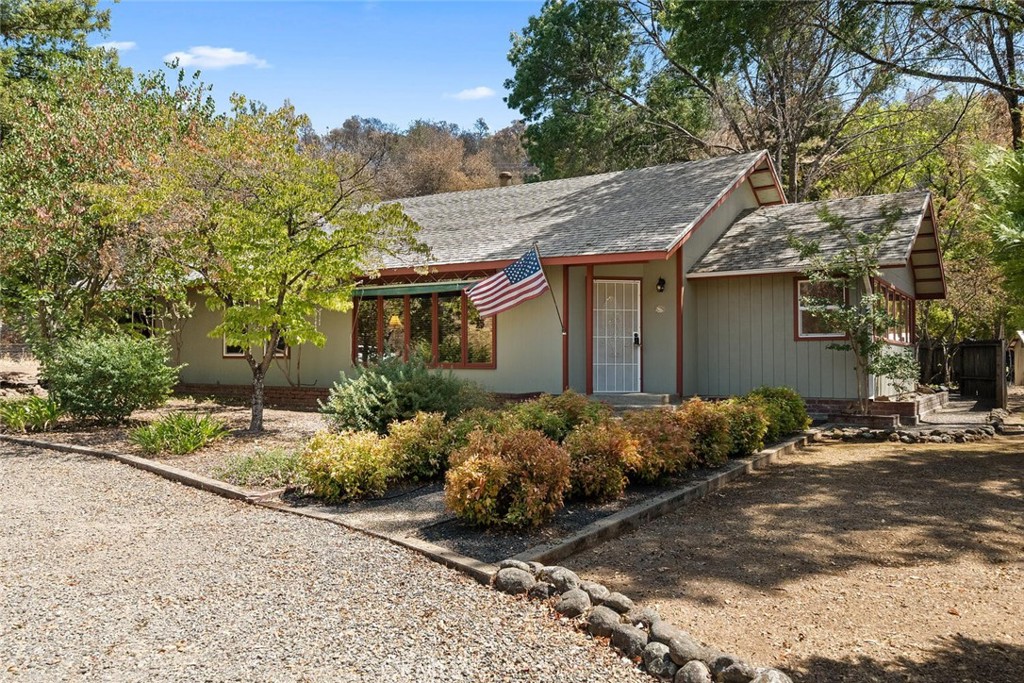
x: 413, y: 288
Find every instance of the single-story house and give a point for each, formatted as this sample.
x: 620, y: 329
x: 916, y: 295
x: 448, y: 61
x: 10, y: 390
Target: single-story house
x: 676, y: 280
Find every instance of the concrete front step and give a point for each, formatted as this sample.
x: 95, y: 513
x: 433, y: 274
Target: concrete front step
x: 634, y: 401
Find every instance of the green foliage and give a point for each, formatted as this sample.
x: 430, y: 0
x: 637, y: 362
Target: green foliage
x: 707, y: 427
x: 36, y: 34
x: 600, y: 456
x: 491, y: 421
x: 664, y: 444
x: 556, y: 416
x: 516, y: 478
x: 110, y: 376
x: 32, y: 414
x: 900, y: 366
x: 748, y: 425
x: 264, y: 469
x: 784, y: 408
x: 178, y: 433
x: 1003, y: 215
x: 420, y: 447
x: 346, y: 466
x: 394, y: 390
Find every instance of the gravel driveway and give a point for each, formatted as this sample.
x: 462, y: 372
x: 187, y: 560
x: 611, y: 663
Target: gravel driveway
x: 111, y: 574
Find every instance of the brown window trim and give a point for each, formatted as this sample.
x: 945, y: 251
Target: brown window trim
x: 464, y: 364
x: 892, y: 294
x: 797, y: 336
x: 225, y: 354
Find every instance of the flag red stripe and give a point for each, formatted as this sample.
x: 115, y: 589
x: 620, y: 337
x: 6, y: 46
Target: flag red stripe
x: 490, y: 283
x: 499, y: 294
x: 520, y: 294
x: 515, y: 302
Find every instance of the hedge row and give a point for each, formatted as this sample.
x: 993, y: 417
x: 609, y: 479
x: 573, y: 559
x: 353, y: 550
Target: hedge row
x: 518, y: 465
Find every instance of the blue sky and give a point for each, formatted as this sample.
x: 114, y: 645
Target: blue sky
x: 396, y: 61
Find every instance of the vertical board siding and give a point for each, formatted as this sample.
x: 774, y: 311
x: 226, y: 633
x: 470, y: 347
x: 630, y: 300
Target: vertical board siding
x: 746, y: 340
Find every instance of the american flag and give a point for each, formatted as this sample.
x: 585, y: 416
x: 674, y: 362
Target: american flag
x: 509, y: 287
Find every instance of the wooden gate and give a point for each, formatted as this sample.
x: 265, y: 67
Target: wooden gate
x: 983, y: 370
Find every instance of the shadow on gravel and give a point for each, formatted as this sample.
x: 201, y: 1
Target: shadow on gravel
x: 915, y: 506
x: 957, y: 659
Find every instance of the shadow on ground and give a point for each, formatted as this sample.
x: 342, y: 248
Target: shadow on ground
x: 957, y: 659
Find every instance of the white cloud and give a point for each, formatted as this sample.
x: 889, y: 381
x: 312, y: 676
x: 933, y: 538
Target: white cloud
x: 119, y: 45
x: 481, y: 92
x: 206, y: 57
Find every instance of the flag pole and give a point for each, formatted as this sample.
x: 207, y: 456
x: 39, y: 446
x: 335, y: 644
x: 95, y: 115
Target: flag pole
x: 554, y: 301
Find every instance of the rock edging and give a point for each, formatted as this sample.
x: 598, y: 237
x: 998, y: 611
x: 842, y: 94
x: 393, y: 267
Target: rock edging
x: 908, y: 436
x: 663, y: 650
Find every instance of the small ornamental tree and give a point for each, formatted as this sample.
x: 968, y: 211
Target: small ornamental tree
x: 862, y: 316
x: 270, y: 231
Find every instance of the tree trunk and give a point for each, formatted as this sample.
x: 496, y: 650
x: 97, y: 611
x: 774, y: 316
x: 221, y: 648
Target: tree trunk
x: 256, y: 421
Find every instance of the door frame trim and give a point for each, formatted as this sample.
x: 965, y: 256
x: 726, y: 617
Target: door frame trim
x: 592, y: 280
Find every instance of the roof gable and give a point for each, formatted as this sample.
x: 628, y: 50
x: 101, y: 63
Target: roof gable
x: 645, y: 210
x: 758, y: 242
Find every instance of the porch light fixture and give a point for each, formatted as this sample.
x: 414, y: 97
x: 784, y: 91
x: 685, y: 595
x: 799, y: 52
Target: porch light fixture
x: 660, y: 286
x: 395, y: 321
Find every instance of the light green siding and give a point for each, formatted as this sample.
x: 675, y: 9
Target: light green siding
x: 743, y: 338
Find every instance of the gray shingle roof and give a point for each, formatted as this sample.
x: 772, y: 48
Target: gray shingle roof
x: 759, y: 241
x: 644, y: 209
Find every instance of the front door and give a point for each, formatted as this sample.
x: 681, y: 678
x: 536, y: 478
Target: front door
x: 616, y: 336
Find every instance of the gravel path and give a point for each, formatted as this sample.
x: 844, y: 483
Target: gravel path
x: 847, y: 563
x: 111, y: 574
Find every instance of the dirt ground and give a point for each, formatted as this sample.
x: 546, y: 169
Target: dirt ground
x: 847, y: 563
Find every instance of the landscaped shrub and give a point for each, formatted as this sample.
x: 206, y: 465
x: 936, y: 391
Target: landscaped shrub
x: 109, y: 377
x: 420, y: 447
x: 785, y: 410
x: 556, y: 416
x: 394, y: 390
x: 708, y: 430
x: 665, y: 447
x: 178, y: 433
x: 32, y: 414
x: 264, y: 469
x: 747, y: 426
x: 346, y: 466
x: 514, y: 478
x: 600, y: 455
x: 480, y: 418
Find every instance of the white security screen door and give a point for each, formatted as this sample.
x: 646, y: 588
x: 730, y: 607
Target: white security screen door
x: 616, y: 336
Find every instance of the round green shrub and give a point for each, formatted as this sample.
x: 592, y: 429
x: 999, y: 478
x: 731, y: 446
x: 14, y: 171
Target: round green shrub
x: 599, y: 457
x: 483, y: 419
x: 747, y: 426
x: 708, y: 430
x: 665, y: 447
x: 109, y: 377
x: 556, y: 416
x: 394, y: 390
x: 513, y: 478
x: 785, y: 409
x: 420, y: 447
x: 339, y: 467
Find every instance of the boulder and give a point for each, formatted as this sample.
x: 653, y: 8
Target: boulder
x: 514, y: 564
x: 563, y: 579
x: 737, y: 672
x: 535, y: 567
x: 618, y: 602
x: 643, y: 617
x: 657, y: 661
x: 720, y: 662
x: 663, y: 631
x: 684, y: 649
x: 602, y: 620
x: 629, y: 640
x: 771, y: 676
x: 694, y: 672
x: 573, y: 603
x: 514, y: 581
x: 596, y: 591
x: 542, y: 590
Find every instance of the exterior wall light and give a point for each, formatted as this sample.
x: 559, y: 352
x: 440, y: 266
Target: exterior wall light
x: 660, y: 286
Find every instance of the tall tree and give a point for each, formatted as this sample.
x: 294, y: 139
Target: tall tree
x: 63, y: 269
x: 34, y: 34
x: 269, y: 230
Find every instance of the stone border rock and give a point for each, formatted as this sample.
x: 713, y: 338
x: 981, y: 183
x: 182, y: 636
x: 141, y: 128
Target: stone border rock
x: 908, y: 436
x: 663, y: 650
x: 631, y: 518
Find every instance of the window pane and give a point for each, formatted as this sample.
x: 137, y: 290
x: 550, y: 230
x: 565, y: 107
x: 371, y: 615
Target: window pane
x: 394, y: 327
x: 830, y: 291
x: 480, y: 335
x: 449, y: 327
x: 826, y: 293
x: 421, y: 325
x: 366, y: 331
